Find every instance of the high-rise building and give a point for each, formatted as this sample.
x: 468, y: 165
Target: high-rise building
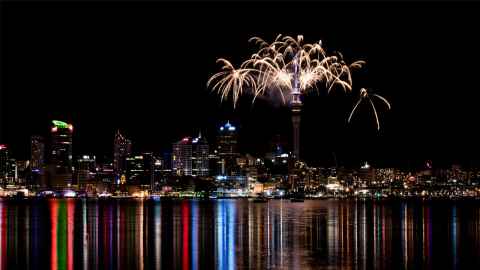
x: 366, y: 174
x: 3, y: 164
x: 60, y: 155
x: 12, y: 173
x: 182, y: 157
x: 215, y: 164
x: 230, y: 173
x: 200, y: 159
x: 227, y: 149
x: 37, y: 162
x: 86, y: 169
x: 158, y: 176
x: 104, y: 174
x: 37, y: 148
x: 23, y: 171
x: 135, y: 170
x: 122, y: 149
x: 148, y: 169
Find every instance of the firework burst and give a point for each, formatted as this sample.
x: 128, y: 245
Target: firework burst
x: 287, y: 65
x: 364, y: 95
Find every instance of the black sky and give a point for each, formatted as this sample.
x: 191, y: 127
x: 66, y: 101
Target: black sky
x: 143, y: 68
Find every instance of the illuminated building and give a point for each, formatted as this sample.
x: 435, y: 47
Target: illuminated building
x: 37, y: 149
x: 148, y: 169
x: 122, y: 148
x: 23, y: 170
x: 278, y: 157
x: 86, y: 169
x: 158, y: 176
x: 135, y: 170
x: 230, y: 175
x: 200, y: 153
x: 167, y: 162
x: 104, y: 175
x: 12, y: 173
x: 182, y: 157
x: 60, y: 155
x: 3, y: 164
x: 227, y: 149
x: 366, y: 175
x: 37, y: 161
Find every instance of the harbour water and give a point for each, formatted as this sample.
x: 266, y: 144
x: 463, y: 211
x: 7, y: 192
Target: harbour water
x: 238, y: 234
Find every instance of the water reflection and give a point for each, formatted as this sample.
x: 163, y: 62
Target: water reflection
x: 231, y: 234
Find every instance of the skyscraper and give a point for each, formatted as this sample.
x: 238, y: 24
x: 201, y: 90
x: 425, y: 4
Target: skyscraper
x: 200, y: 158
x: 60, y: 155
x: 3, y: 164
x: 227, y: 148
x: 148, y: 168
x: 86, y: 169
x: 230, y: 173
x: 122, y: 148
x: 37, y: 164
x: 182, y: 157
x: 23, y: 171
x: 160, y: 171
x: 37, y: 149
x: 135, y: 170
x: 12, y: 173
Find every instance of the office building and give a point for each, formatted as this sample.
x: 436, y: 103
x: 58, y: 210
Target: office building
x: 3, y: 164
x: 60, y: 155
x: 182, y: 157
x: 200, y: 156
x: 227, y: 149
x: 122, y: 149
x: 135, y: 170
x: 86, y: 170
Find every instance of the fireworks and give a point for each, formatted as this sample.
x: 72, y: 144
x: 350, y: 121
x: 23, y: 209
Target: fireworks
x: 231, y: 78
x: 364, y: 95
x: 287, y: 65
x: 290, y: 67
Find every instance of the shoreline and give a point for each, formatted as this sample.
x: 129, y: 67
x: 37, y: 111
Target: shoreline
x: 250, y: 199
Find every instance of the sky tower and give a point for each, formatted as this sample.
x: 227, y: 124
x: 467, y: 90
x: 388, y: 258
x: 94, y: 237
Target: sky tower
x: 296, y: 106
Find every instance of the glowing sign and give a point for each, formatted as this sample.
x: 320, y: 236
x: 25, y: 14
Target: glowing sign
x: 3, y: 146
x: 69, y: 194
x: 60, y: 124
x: 228, y: 126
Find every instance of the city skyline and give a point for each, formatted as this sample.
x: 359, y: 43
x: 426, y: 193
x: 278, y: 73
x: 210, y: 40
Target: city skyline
x: 121, y: 80
x: 239, y: 135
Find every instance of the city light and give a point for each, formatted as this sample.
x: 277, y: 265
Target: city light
x: 69, y: 194
x: 60, y: 124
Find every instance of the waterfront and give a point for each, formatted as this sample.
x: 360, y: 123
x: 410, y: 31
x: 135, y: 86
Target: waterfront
x: 230, y: 234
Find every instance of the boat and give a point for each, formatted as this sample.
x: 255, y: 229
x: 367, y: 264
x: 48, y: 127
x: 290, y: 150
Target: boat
x: 296, y: 199
x: 260, y: 199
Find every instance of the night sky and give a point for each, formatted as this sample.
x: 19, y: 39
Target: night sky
x: 143, y: 68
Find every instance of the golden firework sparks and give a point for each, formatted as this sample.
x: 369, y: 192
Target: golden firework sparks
x: 364, y: 95
x: 272, y: 67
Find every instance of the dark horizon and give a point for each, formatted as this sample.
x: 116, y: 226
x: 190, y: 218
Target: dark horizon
x: 104, y: 67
